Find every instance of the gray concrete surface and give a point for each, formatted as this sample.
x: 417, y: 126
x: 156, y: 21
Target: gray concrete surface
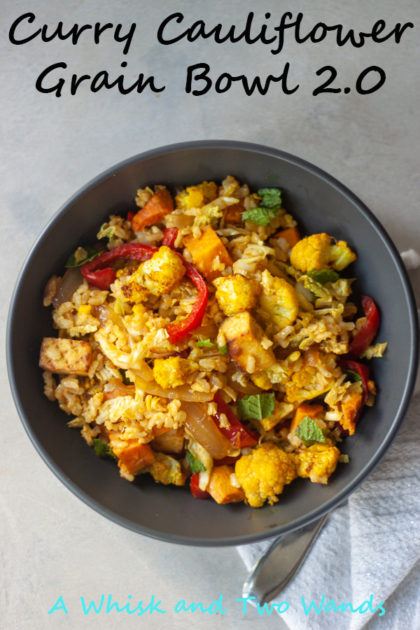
x: 50, y: 543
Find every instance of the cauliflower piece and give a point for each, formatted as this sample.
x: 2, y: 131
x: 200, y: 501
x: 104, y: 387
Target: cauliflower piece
x: 161, y: 273
x: 317, y: 462
x: 221, y: 488
x: 316, y: 375
x: 171, y: 372
x: 320, y: 251
x: 244, y: 340
x: 196, y: 196
x: 279, y: 302
x: 65, y: 356
x: 167, y: 470
x: 236, y: 293
x: 264, y: 473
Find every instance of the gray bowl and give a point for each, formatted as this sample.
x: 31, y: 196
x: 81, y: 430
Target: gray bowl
x: 320, y: 203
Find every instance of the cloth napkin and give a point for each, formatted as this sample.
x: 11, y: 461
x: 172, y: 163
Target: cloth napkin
x: 369, y: 546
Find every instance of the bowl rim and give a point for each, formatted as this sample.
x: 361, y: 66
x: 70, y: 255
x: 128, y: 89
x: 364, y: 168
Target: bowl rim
x: 341, y: 496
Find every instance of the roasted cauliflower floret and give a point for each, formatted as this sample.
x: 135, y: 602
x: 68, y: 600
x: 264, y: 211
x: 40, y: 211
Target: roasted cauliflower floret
x: 236, y: 293
x: 172, y: 372
x: 317, y: 462
x: 162, y: 272
x: 167, y: 470
x: 316, y: 374
x: 221, y: 488
x: 279, y: 302
x: 264, y: 472
x: 320, y: 251
x: 196, y: 196
x: 245, y: 338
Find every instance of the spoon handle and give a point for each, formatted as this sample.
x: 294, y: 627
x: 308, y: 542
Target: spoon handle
x: 283, y: 558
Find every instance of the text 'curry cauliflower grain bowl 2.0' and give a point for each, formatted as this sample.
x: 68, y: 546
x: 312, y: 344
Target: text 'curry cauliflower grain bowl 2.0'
x: 228, y: 328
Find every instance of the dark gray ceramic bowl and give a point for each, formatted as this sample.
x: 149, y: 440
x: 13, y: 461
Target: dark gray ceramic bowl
x: 320, y: 203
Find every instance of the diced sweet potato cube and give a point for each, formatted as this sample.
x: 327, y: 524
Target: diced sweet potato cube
x: 221, y: 488
x: 153, y: 211
x: 304, y: 410
x: 208, y: 253
x: 65, y: 356
x: 290, y: 235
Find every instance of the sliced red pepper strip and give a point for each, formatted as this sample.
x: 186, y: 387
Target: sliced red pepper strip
x: 169, y: 236
x: 367, y: 333
x: 99, y: 275
x: 130, y: 215
x: 180, y: 330
x: 195, y: 488
x: 237, y: 434
x: 226, y: 461
x: 362, y: 370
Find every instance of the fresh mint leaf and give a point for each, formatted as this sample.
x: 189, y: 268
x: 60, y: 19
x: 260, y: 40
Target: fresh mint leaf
x: 255, y: 406
x: 270, y: 197
x: 309, y: 431
x: 354, y: 376
x: 260, y: 215
x: 204, y: 343
x: 324, y: 275
x: 91, y: 254
x: 102, y: 449
x: 195, y: 464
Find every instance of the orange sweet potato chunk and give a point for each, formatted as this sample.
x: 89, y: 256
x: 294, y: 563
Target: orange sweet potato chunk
x: 208, y: 252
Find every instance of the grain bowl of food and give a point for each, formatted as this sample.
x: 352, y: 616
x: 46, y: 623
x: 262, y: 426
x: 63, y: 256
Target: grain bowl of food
x: 222, y: 343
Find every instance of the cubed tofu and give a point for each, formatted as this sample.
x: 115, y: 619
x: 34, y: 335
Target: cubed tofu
x: 171, y: 372
x: 65, y: 356
x: 221, y: 488
x: 162, y: 272
x: 279, y: 303
x: 208, y: 252
x: 281, y: 411
x: 236, y: 293
x: 170, y: 442
x: 243, y: 337
x: 133, y: 456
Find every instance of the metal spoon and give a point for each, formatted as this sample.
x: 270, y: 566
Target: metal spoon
x: 279, y: 564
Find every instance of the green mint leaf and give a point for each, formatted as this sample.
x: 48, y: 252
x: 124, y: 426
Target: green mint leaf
x: 223, y: 349
x: 260, y: 215
x: 102, y: 449
x: 309, y: 431
x: 125, y: 380
x: 204, y: 343
x: 354, y: 376
x: 91, y: 254
x: 195, y: 464
x: 324, y: 275
x: 255, y: 406
x: 270, y: 197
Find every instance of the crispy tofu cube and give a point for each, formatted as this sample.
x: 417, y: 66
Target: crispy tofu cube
x: 236, y: 293
x: 170, y: 442
x: 65, y: 356
x: 281, y: 411
x: 208, y: 252
x: 221, y: 488
x: 243, y: 337
x: 161, y: 273
x: 133, y: 456
x: 171, y: 372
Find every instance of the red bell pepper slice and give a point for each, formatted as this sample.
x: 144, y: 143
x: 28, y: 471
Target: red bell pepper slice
x: 195, y: 488
x: 236, y: 433
x: 367, y: 333
x: 180, y: 330
x: 169, y: 237
x: 226, y: 461
x: 99, y: 275
x: 363, y: 371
